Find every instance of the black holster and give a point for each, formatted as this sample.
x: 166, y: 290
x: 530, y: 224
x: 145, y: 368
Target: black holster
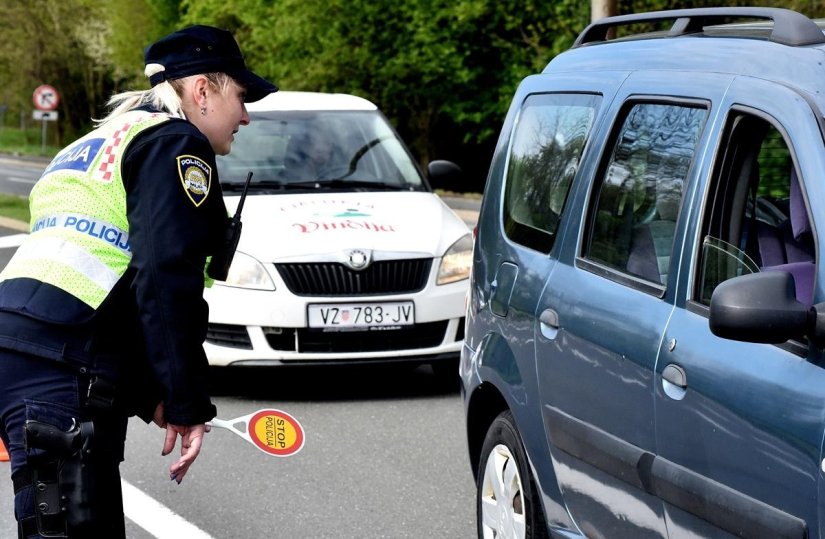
x: 60, y: 479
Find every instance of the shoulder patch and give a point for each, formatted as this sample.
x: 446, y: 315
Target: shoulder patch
x: 196, y: 177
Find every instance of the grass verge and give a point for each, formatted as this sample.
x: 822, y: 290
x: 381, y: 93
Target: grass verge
x: 14, y: 207
x: 26, y: 142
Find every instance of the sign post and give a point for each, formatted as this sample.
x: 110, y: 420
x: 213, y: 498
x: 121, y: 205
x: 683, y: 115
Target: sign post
x: 45, y: 100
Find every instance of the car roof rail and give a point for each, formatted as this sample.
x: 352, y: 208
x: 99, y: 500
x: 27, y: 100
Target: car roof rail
x: 789, y: 27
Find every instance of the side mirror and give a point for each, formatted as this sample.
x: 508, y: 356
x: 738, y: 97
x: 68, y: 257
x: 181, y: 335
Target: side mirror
x: 759, y: 307
x: 444, y: 174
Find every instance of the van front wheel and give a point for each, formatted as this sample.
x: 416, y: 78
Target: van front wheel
x: 506, y: 499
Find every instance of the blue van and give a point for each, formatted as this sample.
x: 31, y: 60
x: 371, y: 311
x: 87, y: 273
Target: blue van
x: 645, y: 341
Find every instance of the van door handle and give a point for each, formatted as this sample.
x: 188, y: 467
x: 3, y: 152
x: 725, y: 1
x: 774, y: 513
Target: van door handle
x: 549, y: 323
x: 675, y: 375
x: 674, y: 382
x: 549, y: 318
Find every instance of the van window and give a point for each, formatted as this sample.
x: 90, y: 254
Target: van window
x: 638, y: 199
x: 548, y: 141
x: 757, y: 218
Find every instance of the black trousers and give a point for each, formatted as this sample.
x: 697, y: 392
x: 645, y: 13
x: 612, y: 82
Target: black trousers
x: 43, y: 390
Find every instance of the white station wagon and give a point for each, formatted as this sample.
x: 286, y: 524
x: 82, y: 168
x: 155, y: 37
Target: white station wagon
x: 346, y: 255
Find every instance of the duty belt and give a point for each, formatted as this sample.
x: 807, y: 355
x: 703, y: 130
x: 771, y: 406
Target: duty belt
x: 100, y: 394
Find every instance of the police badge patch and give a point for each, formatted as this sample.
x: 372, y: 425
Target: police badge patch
x: 196, y: 177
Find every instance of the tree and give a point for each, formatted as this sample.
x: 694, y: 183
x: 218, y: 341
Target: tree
x: 86, y: 49
x: 50, y: 49
x: 444, y: 72
x: 602, y: 8
x: 132, y: 26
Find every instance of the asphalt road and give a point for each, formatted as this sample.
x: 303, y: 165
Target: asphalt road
x: 384, y: 457
x: 18, y: 174
x: 385, y: 454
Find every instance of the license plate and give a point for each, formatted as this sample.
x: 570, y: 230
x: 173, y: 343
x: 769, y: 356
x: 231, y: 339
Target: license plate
x: 361, y: 315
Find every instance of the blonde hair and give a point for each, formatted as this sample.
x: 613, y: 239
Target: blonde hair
x: 165, y: 96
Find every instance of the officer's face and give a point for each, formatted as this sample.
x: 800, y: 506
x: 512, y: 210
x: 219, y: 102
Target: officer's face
x: 225, y: 113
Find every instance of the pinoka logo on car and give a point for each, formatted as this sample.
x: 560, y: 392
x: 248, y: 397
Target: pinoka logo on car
x: 351, y: 219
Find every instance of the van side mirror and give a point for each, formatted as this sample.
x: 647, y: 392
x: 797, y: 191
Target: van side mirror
x: 762, y: 308
x: 444, y: 174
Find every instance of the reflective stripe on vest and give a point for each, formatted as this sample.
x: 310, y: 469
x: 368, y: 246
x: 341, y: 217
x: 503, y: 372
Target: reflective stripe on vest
x: 79, y: 239
x: 65, y: 265
x: 86, y: 224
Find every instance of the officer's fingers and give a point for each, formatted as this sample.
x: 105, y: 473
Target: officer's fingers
x: 169, y: 441
x: 190, y: 449
x: 191, y: 442
x: 195, y: 436
x: 179, y: 468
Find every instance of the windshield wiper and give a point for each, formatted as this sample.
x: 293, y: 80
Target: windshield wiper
x: 269, y: 184
x: 340, y: 182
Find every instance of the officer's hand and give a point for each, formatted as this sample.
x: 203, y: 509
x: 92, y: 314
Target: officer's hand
x: 191, y: 438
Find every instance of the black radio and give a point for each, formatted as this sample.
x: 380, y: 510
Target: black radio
x: 218, y: 267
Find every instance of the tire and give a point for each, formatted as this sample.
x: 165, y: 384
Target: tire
x: 507, y: 504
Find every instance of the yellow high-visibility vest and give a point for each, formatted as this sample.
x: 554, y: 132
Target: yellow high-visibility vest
x: 79, y: 233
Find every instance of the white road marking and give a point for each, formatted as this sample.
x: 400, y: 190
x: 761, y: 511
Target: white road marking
x: 30, y: 181
x: 156, y: 518
x: 14, y: 240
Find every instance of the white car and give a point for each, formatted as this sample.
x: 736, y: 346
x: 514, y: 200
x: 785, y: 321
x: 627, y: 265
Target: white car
x: 346, y: 255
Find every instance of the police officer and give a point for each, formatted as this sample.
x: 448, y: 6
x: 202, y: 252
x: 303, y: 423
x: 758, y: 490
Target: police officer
x: 101, y: 309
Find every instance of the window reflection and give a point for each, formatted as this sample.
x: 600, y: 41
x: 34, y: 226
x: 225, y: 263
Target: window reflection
x: 547, y: 145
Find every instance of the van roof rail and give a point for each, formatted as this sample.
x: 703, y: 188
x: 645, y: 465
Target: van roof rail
x: 789, y: 27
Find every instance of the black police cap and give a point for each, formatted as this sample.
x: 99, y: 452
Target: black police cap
x: 204, y: 49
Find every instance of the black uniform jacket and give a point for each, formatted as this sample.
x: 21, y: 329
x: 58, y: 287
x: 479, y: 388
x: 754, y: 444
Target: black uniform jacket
x: 148, y: 335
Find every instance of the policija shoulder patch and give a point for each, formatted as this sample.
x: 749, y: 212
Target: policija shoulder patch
x: 196, y: 177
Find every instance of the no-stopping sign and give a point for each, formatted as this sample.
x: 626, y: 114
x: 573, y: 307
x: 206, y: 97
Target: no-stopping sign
x: 45, y: 97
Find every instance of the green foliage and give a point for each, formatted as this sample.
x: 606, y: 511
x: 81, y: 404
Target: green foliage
x: 49, y: 47
x: 14, y: 207
x: 87, y: 49
x: 27, y: 142
x: 443, y: 71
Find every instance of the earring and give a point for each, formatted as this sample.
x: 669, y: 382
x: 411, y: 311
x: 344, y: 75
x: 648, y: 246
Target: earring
x: 203, y: 111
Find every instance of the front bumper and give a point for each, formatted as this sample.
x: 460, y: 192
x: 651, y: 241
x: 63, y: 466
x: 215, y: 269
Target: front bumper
x: 255, y: 328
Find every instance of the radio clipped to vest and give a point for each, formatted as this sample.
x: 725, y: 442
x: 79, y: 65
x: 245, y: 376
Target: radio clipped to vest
x: 218, y: 267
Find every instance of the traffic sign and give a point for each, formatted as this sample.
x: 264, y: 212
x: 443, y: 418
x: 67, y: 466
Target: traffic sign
x: 45, y: 115
x: 46, y: 97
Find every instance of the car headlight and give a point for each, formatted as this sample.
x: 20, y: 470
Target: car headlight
x: 456, y: 262
x: 247, y: 272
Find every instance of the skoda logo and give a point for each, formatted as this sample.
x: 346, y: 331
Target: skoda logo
x: 358, y: 259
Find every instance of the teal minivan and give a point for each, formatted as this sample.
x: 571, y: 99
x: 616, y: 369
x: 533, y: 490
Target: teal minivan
x: 645, y: 339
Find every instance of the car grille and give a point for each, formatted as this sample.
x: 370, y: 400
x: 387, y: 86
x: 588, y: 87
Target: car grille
x: 317, y: 341
x: 228, y: 335
x: 335, y: 279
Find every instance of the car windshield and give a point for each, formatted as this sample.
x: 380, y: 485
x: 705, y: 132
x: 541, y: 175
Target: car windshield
x: 311, y: 150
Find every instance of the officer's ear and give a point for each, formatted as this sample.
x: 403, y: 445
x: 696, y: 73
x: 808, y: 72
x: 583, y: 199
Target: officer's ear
x: 200, y: 90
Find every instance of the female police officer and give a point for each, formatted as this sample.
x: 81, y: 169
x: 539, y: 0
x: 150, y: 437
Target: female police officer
x: 101, y: 309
